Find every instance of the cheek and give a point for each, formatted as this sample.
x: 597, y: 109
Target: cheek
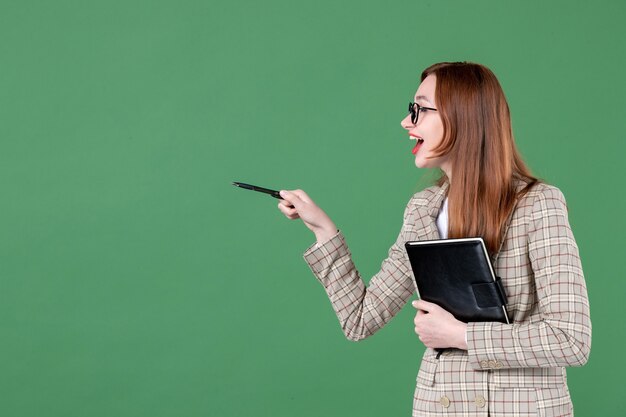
x: 436, y: 133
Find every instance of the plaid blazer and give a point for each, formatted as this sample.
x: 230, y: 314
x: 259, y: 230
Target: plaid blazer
x: 513, y: 369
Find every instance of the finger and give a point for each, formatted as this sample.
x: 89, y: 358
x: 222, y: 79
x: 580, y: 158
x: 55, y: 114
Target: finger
x: 285, y: 203
x: 291, y: 213
x: 420, y: 317
x: 425, y: 305
x: 288, y: 211
x: 419, y: 314
x: 290, y: 197
x: 419, y: 320
x: 301, y: 195
x: 421, y: 305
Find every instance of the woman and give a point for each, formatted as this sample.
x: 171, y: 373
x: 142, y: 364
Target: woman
x: 461, y: 124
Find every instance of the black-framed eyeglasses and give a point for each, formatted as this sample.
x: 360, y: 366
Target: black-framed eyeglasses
x: 415, y: 110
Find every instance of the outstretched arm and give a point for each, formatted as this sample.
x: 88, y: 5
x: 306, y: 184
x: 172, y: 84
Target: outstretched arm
x: 361, y: 310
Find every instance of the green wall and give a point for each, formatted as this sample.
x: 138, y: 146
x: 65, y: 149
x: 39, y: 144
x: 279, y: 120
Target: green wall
x: 136, y: 281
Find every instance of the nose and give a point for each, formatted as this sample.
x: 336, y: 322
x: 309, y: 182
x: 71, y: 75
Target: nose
x: 406, y: 123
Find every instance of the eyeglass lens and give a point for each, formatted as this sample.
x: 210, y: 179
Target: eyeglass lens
x: 414, y: 109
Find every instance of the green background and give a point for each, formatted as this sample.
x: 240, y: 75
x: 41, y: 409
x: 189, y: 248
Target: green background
x: 135, y: 280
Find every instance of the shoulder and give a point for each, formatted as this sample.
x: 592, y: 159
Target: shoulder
x: 545, y: 194
x: 426, y: 201
x: 426, y: 197
x: 543, y: 200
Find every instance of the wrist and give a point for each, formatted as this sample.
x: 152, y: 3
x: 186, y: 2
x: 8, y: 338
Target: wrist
x: 325, y: 234
x: 462, y: 344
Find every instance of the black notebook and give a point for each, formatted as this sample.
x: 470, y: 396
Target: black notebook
x: 457, y: 275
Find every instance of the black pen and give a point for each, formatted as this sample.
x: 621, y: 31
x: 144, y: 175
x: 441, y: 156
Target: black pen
x: 273, y: 193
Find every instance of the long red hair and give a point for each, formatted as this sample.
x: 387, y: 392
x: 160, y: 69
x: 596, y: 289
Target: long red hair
x: 478, y: 141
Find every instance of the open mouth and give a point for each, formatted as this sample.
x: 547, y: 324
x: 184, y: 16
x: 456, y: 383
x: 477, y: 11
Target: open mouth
x: 417, y: 146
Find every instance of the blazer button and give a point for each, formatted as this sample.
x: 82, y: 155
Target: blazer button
x: 445, y: 401
x: 480, y: 401
x: 484, y: 364
x: 492, y: 364
x: 498, y: 364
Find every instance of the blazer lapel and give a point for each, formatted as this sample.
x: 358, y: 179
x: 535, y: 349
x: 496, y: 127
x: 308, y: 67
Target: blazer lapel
x: 427, y: 212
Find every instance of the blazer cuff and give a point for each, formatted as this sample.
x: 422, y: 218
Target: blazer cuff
x: 321, y: 257
x: 480, y: 353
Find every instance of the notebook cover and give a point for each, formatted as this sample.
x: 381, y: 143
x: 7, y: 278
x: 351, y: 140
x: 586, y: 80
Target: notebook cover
x: 457, y: 275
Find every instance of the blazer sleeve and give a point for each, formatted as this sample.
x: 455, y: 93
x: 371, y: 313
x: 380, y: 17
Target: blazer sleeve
x: 361, y: 309
x: 561, y: 334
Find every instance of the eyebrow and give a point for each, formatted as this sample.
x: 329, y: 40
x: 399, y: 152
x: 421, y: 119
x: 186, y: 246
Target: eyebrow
x: 423, y: 98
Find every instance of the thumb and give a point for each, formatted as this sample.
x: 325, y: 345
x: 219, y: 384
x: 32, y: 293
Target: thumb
x: 290, y: 197
x: 302, y: 196
x: 425, y: 305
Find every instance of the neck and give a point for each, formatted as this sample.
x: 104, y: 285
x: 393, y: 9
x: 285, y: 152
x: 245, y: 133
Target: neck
x: 448, y: 171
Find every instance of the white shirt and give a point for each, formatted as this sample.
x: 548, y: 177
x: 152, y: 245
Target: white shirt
x: 442, y: 220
